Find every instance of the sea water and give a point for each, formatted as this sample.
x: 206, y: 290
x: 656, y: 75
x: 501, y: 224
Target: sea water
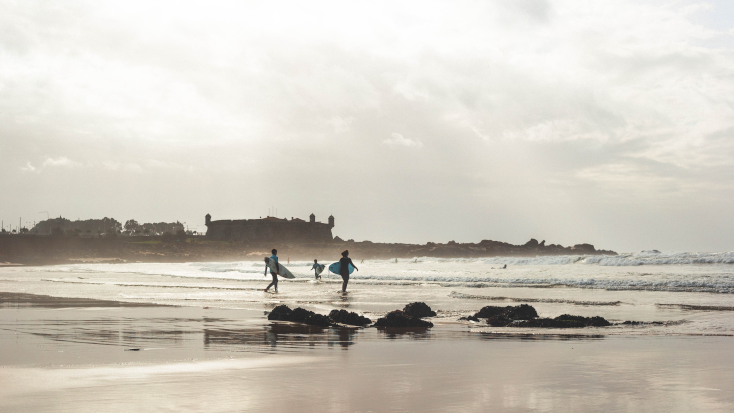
x: 670, y: 293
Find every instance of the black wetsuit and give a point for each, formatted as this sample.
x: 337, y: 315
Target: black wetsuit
x: 344, y: 270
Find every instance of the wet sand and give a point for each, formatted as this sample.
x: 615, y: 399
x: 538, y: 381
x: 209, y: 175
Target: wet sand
x: 90, y: 355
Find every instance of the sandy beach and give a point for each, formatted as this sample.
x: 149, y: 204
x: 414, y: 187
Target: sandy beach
x: 83, y: 355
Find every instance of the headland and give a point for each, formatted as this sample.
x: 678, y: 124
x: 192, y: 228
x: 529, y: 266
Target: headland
x: 241, y: 240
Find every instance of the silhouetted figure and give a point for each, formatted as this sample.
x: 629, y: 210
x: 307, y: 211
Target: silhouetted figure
x: 344, y: 269
x: 505, y: 267
x: 274, y: 274
x: 316, y: 267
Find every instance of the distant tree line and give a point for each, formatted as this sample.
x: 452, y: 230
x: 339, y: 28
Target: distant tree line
x: 132, y: 227
x: 109, y: 227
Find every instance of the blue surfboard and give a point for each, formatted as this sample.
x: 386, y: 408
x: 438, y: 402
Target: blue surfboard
x: 335, y: 267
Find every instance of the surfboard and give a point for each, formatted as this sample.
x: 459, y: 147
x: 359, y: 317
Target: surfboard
x: 283, y: 271
x: 319, y: 268
x: 335, y: 267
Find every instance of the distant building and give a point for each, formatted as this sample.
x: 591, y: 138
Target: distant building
x: 270, y: 229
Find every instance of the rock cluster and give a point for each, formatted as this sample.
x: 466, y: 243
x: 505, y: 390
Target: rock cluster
x: 525, y: 316
x: 398, y: 318
x: 517, y: 312
x: 299, y: 315
x: 639, y: 323
x: 350, y: 318
x: 418, y: 310
x: 565, y: 321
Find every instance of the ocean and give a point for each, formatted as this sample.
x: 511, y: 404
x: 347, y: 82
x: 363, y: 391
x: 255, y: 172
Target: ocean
x: 670, y: 293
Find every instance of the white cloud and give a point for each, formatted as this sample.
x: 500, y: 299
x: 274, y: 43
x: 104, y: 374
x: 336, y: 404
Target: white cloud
x: 399, y: 140
x: 29, y: 168
x: 564, y: 94
x: 61, y: 161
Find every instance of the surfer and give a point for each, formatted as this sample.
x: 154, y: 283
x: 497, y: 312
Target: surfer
x: 273, y: 257
x: 344, y: 263
x: 316, y: 267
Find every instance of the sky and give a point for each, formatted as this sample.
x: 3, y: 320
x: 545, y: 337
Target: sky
x: 602, y: 122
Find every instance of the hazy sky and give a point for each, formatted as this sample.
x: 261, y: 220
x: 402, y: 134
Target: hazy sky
x: 608, y: 122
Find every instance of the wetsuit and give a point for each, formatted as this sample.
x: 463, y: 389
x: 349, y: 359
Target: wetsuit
x: 344, y: 270
x: 315, y: 269
x: 275, y: 275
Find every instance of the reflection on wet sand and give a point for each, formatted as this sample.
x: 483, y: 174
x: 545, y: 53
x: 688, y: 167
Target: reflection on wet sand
x: 211, y: 359
x: 216, y: 331
x: 20, y: 300
x: 538, y: 336
x: 416, y: 333
x: 283, y: 334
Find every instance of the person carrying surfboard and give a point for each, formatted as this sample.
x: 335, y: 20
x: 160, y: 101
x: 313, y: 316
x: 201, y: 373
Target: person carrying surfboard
x: 273, y: 257
x: 344, y: 263
x: 317, y: 268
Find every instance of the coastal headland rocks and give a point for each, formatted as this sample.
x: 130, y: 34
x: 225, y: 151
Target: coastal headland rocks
x: 49, y: 249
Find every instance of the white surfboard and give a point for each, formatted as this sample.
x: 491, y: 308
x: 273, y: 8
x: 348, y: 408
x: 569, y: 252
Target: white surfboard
x: 320, y: 268
x: 283, y: 271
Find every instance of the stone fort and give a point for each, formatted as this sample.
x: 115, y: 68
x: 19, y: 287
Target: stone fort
x: 270, y: 229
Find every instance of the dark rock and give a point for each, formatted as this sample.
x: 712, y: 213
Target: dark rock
x: 299, y: 315
x: 532, y: 243
x: 489, y: 311
x: 595, y: 321
x: 500, y: 320
x: 398, y: 318
x: 565, y: 321
x: 584, y: 248
x: 281, y: 312
x: 519, y: 312
x: 419, y: 310
x: 350, y: 318
x: 470, y: 318
x: 525, y: 316
x: 547, y: 323
x: 639, y: 323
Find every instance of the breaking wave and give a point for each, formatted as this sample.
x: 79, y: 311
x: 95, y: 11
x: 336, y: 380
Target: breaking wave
x: 724, y: 285
x: 633, y: 259
x: 697, y: 307
x: 455, y: 294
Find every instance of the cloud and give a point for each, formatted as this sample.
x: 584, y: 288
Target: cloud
x: 61, y: 161
x: 399, y: 140
x: 29, y: 168
x: 549, y: 103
